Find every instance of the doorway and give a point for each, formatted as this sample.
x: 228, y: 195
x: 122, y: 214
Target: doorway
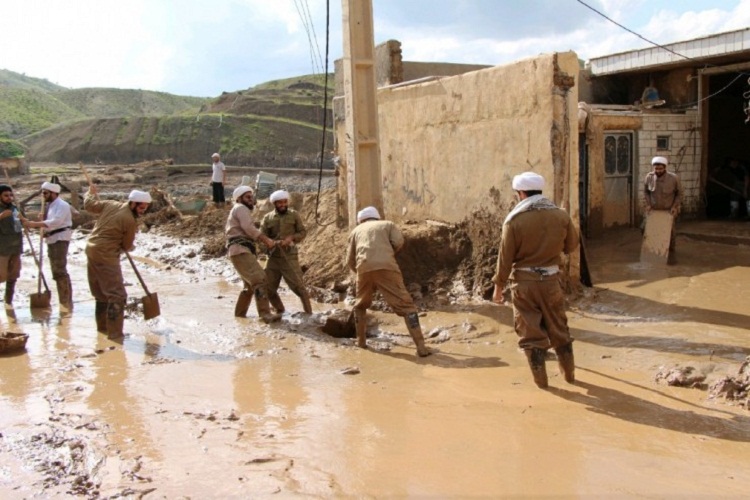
x: 618, y: 179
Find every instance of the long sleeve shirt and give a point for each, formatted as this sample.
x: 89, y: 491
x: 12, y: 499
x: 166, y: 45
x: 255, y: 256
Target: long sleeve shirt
x: 240, y: 225
x: 114, y: 231
x: 662, y: 193
x: 277, y: 227
x: 59, y: 216
x: 373, y: 245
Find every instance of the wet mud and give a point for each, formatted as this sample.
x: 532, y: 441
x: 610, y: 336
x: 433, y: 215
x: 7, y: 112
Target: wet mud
x: 197, y: 403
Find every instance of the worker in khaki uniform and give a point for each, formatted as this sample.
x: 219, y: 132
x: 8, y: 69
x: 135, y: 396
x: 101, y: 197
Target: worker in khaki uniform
x: 662, y: 191
x: 57, y: 226
x: 535, y: 234
x: 372, y: 249
x: 285, y: 226
x: 113, y: 234
x: 241, y: 236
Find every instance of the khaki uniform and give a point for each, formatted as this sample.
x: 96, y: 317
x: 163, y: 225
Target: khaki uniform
x: 531, y: 247
x: 371, y: 254
x: 241, y: 230
x: 284, y: 262
x: 666, y: 195
x: 113, y: 234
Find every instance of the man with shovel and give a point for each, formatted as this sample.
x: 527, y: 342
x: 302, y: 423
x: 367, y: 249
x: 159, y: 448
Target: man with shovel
x: 241, y: 236
x: 113, y: 234
x: 11, y: 243
x: 284, y: 225
x: 57, y: 227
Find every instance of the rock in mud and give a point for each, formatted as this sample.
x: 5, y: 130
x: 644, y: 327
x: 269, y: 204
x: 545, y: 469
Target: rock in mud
x: 681, y: 376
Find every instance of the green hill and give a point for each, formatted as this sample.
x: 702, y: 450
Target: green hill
x: 107, y: 103
x: 17, y: 80
x: 24, y: 110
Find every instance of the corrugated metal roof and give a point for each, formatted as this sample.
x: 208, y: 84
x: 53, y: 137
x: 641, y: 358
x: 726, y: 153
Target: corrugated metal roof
x: 719, y: 44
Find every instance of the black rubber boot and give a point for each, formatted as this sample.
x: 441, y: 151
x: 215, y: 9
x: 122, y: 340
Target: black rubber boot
x: 360, y: 326
x: 101, y: 317
x: 566, y: 361
x: 243, y: 303
x: 538, y: 368
x: 115, y: 320
x: 415, y: 330
x: 10, y: 290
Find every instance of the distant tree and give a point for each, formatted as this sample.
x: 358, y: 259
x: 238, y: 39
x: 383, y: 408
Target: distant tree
x: 10, y: 148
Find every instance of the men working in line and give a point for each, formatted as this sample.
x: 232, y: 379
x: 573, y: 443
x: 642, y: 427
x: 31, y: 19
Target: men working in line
x: 371, y: 254
x: 285, y: 226
x: 534, y: 235
x: 113, y: 233
x: 11, y: 243
x: 57, y: 226
x: 241, y: 236
x: 218, y: 179
x: 662, y: 191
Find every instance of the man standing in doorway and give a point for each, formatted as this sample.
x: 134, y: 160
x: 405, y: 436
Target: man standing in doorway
x: 535, y: 233
x: 372, y: 249
x: 11, y: 243
x: 57, y: 226
x: 285, y: 226
x: 218, y: 179
x: 241, y: 236
x: 113, y: 234
x: 662, y: 191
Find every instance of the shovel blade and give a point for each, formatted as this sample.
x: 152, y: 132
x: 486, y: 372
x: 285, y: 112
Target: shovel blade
x: 40, y: 300
x: 150, y: 306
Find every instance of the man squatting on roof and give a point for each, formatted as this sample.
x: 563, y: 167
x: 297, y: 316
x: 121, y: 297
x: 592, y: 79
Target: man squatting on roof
x: 113, y: 234
x: 285, y: 226
x: 241, y: 236
x: 534, y: 235
x: 57, y: 226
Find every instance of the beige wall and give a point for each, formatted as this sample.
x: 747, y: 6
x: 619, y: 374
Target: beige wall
x: 451, y: 146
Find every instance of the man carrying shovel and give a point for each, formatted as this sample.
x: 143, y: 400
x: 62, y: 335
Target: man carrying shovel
x: 57, y: 229
x: 11, y: 243
x: 113, y: 233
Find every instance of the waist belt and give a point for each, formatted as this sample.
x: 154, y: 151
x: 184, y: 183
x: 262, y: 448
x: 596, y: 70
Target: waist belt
x: 542, y: 271
x: 241, y: 240
x: 55, y: 231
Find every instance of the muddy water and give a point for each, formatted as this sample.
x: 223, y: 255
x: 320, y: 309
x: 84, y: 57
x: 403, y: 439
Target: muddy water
x: 197, y: 403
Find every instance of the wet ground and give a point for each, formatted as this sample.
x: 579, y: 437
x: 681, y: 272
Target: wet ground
x: 199, y: 404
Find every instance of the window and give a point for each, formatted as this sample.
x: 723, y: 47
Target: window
x: 617, y: 152
x: 662, y: 143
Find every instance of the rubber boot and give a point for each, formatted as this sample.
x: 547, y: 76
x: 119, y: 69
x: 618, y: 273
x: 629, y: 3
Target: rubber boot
x: 101, y: 317
x: 10, y: 289
x: 264, y: 307
x: 538, y: 368
x: 360, y: 326
x: 415, y: 330
x: 115, y: 320
x: 306, y: 305
x: 243, y: 303
x: 276, y: 303
x: 65, y: 293
x: 566, y: 362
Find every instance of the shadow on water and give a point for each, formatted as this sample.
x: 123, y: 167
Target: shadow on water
x: 445, y: 359
x: 621, y: 405
x: 662, y: 344
x: 168, y: 351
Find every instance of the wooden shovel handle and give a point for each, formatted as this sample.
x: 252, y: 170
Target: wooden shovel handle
x: 135, y: 269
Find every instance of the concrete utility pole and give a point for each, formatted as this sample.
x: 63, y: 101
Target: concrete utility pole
x: 364, y: 182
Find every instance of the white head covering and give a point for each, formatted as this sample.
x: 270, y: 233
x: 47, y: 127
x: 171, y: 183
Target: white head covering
x: 216, y: 155
x: 367, y: 213
x: 139, y: 196
x: 240, y: 190
x: 659, y: 159
x: 528, y: 181
x: 49, y: 186
x: 278, y: 195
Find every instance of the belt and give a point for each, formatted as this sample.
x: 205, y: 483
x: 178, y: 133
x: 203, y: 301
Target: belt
x: 55, y: 231
x: 241, y: 240
x: 542, y: 271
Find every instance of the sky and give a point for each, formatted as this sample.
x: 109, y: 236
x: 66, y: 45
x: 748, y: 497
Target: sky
x: 206, y: 47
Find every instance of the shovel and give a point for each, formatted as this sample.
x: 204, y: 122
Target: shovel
x: 40, y: 300
x: 151, y: 300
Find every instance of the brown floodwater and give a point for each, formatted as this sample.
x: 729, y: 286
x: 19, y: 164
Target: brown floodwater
x: 199, y: 404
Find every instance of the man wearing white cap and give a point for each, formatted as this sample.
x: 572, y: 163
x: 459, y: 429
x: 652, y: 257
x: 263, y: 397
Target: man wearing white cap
x: 535, y: 234
x: 11, y: 243
x: 285, y: 226
x: 371, y: 253
x: 662, y: 191
x: 57, y: 226
x: 218, y: 179
x: 113, y: 234
x: 241, y: 237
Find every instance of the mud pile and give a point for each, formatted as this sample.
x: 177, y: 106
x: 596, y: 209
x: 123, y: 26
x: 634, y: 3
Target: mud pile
x: 734, y: 388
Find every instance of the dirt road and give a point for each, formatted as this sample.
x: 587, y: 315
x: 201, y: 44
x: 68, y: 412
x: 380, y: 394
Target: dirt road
x: 199, y: 404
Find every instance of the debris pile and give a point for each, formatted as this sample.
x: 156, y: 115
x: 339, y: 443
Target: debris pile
x: 734, y: 388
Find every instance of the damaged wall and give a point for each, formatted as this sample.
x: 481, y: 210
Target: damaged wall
x: 451, y: 146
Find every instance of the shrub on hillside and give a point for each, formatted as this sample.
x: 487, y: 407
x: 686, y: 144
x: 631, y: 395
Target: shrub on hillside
x: 10, y: 148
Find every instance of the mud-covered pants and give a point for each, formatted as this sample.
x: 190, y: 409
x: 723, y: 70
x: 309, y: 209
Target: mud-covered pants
x: 10, y: 267
x: 284, y: 266
x: 391, y: 287
x: 58, y: 259
x: 106, y: 282
x: 249, y: 270
x: 539, y: 313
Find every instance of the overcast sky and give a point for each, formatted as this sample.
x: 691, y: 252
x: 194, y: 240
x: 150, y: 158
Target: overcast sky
x: 205, y: 47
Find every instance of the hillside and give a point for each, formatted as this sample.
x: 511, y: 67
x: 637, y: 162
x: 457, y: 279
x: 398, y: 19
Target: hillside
x: 12, y: 79
x: 24, y: 110
x: 277, y: 124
